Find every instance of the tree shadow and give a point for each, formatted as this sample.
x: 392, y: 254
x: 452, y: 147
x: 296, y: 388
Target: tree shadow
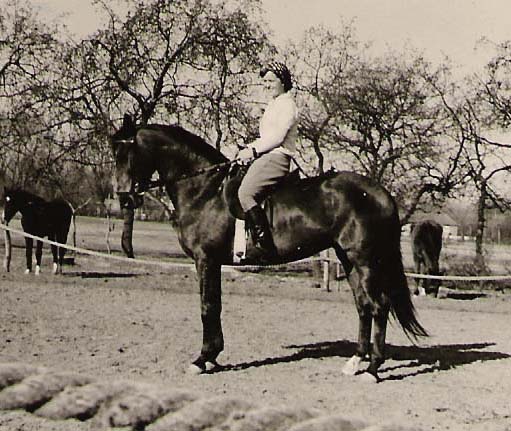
x: 417, y: 359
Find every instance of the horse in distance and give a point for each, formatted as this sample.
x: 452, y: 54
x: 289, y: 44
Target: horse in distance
x: 40, y: 218
x: 343, y: 210
x: 426, y: 238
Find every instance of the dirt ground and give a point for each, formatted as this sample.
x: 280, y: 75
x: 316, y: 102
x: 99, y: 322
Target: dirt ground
x: 286, y: 343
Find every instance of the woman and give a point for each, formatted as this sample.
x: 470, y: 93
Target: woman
x: 271, y: 154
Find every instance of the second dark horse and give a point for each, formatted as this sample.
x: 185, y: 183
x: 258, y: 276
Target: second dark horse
x: 41, y: 218
x: 346, y: 211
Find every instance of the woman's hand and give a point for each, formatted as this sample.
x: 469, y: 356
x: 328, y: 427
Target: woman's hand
x: 245, y: 155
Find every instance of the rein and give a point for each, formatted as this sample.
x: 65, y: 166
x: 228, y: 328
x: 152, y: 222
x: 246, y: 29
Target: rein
x: 143, y: 186
x: 215, y: 168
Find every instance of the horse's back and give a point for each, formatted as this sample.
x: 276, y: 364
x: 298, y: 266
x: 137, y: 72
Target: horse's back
x: 59, y: 213
x: 335, y: 193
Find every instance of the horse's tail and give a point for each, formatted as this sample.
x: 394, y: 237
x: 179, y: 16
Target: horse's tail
x: 402, y: 307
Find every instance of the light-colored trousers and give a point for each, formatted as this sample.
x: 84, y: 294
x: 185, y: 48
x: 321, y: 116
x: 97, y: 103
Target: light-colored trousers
x: 264, y: 173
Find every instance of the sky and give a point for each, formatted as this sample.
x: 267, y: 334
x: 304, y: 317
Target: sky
x: 438, y: 28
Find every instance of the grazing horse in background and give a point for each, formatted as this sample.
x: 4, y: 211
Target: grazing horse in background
x: 426, y: 238
x: 346, y: 211
x: 40, y: 218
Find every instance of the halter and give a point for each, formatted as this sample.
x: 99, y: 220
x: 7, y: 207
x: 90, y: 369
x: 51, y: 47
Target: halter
x: 142, y: 186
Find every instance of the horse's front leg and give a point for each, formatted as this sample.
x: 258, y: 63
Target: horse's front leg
x: 209, y: 275
x: 38, y: 256
x: 55, y: 254
x: 29, y: 244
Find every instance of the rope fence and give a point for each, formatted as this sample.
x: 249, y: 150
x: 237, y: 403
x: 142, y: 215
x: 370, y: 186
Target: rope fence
x: 235, y: 268
x: 226, y: 268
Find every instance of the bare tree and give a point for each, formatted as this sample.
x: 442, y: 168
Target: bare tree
x: 322, y: 61
x: 385, y: 117
x: 485, y: 113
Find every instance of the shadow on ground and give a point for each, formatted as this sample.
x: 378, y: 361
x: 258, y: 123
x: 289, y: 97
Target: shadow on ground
x: 96, y: 274
x: 415, y: 360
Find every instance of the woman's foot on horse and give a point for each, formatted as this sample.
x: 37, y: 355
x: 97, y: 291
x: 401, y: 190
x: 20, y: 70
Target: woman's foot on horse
x: 264, y: 251
x: 258, y: 256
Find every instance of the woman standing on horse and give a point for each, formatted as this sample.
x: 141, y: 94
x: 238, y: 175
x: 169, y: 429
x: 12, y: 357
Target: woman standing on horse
x: 270, y: 155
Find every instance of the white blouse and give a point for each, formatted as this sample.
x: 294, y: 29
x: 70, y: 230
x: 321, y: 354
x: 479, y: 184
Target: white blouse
x: 278, y: 126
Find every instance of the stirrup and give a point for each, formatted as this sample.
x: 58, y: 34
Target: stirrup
x: 258, y: 255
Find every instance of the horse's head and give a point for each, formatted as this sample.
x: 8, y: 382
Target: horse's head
x: 12, y: 204
x: 132, y: 167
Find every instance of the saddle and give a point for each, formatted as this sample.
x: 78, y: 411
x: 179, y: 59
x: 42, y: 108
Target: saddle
x: 242, y: 240
x: 232, y: 183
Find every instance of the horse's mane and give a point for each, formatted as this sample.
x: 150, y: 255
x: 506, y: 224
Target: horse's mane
x: 196, y: 143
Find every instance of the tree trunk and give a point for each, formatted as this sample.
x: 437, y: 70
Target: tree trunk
x: 481, y: 221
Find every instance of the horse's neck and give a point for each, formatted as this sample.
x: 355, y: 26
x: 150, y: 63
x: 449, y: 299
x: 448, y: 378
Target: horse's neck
x: 185, y: 169
x: 190, y: 195
x: 31, y: 205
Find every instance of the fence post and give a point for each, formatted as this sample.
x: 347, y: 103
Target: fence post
x: 326, y: 269
x: 8, y: 248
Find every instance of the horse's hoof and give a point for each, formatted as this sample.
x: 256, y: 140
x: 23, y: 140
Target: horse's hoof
x: 213, y: 366
x: 367, y: 377
x: 55, y: 269
x: 37, y: 270
x: 352, y: 366
x: 195, y: 370
x: 27, y: 271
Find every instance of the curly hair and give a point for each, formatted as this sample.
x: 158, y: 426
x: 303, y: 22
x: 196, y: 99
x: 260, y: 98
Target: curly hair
x: 281, y: 71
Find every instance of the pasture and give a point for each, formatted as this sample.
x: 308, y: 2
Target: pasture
x: 285, y: 342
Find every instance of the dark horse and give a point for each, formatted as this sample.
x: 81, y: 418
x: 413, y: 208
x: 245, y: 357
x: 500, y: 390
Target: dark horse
x: 346, y: 211
x: 40, y: 218
x: 426, y: 236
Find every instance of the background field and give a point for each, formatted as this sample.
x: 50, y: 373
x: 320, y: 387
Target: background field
x: 159, y: 240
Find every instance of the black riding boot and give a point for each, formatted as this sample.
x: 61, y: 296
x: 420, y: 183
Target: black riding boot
x: 264, y: 248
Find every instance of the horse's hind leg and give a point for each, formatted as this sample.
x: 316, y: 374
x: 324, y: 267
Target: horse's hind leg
x: 372, y: 305
x: 62, y: 239
x: 55, y: 254
x: 355, y: 279
x: 419, y: 267
x: 29, y: 243
x: 381, y: 316
x: 38, y: 256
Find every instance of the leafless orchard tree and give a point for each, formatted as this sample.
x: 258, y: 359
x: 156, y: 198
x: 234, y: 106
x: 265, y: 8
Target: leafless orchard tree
x: 384, y: 117
x: 485, y: 115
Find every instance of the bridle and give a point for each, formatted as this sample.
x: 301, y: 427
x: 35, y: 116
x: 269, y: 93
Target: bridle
x: 140, y: 187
